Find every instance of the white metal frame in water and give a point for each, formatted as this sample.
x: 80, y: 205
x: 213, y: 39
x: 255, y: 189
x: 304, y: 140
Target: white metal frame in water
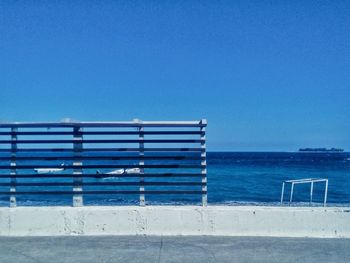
x: 311, y: 181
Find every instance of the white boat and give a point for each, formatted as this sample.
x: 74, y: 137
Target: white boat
x: 49, y: 170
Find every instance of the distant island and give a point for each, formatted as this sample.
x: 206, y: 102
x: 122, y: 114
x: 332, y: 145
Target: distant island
x: 321, y: 150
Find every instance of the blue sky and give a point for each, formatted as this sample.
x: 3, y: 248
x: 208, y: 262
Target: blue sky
x: 268, y: 75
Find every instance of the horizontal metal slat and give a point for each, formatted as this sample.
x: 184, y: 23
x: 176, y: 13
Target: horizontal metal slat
x: 105, y: 150
x: 102, y: 133
x: 138, y: 183
x: 55, y: 158
x: 101, y: 192
x: 181, y: 124
x: 102, y: 141
x: 101, y: 166
x: 102, y: 175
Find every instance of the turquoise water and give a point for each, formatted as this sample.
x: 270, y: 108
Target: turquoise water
x: 239, y: 178
x: 257, y: 177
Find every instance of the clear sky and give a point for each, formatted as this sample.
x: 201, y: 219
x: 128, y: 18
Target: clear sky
x: 268, y: 75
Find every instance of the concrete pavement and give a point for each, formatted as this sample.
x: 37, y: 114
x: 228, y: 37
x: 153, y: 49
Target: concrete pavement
x: 172, y: 249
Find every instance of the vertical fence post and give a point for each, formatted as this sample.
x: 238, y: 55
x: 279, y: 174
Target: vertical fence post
x: 141, y: 162
x: 282, y: 193
x: 311, y: 192
x: 204, y: 163
x: 77, y: 163
x: 13, y: 172
x: 325, y: 193
x: 291, y: 194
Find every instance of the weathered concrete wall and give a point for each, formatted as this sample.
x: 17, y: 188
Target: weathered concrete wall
x: 176, y: 220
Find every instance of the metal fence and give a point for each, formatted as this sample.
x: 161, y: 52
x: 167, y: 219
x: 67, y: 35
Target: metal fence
x: 74, y: 158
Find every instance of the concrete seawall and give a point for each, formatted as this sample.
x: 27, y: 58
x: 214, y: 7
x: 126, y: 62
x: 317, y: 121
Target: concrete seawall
x: 176, y: 220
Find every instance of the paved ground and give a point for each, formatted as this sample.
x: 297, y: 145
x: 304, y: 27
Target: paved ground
x: 172, y: 249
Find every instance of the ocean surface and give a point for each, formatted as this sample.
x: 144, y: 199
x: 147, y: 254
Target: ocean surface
x: 256, y: 178
x: 241, y: 178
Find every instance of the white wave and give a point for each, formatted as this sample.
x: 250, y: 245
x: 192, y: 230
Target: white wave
x: 133, y: 171
x: 118, y: 171
x: 49, y: 170
x: 109, y: 175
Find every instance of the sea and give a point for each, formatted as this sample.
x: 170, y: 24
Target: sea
x: 256, y: 177
x: 240, y: 178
